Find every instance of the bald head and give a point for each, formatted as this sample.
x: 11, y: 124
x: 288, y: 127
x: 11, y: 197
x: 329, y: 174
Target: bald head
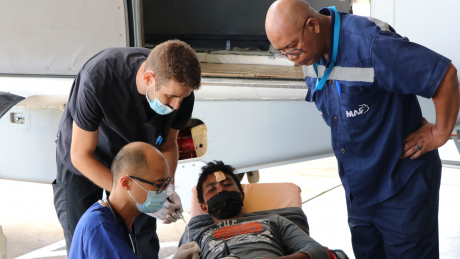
x: 285, y: 16
x: 294, y: 25
x: 138, y: 159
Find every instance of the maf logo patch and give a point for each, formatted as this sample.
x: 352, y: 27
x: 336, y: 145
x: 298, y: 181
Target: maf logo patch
x: 363, y: 108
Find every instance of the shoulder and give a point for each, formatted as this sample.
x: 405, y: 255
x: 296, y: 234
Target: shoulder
x: 277, y: 219
x: 267, y: 217
x: 89, y: 225
x: 361, y: 26
x: 112, y: 68
x: 96, y: 216
x: 113, y: 57
x: 357, y: 37
x: 189, y: 99
x: 183, y: 114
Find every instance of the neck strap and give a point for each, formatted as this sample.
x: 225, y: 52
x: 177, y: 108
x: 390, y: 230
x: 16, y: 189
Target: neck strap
x: 335, y: 49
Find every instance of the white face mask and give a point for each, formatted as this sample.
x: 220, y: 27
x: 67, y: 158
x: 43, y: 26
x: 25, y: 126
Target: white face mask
x: 156, y: 105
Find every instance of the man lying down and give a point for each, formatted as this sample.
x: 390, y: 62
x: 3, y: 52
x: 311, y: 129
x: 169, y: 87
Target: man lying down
x: 226, y: 232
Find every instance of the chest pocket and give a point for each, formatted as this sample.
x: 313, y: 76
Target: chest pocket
x: 358, y: 107
x: 156, y: 131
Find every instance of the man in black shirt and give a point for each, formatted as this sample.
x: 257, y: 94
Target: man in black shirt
x: 123, y: 95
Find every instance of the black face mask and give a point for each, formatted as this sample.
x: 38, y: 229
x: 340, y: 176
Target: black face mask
x: 225, y: 205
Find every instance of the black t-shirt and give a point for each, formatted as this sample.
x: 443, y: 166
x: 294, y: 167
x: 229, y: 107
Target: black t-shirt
x: 104, y: 96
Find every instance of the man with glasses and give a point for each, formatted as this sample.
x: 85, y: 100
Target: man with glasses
x: 364, y: 79
x: 140, y: 178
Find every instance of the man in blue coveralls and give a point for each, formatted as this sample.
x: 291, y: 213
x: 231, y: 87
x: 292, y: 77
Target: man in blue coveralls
x: 364, y: 78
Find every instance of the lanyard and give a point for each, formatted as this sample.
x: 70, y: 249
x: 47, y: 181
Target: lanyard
x: 126, y: 225
x: 335, y: 49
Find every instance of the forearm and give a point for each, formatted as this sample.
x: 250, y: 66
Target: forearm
x: 447, y: 103
x: 84, y: 144
x: 171, y: 155
x: 94, y: 170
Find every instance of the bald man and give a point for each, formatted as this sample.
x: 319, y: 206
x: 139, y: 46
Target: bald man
x: 364, y: 79
x: 140, y: 178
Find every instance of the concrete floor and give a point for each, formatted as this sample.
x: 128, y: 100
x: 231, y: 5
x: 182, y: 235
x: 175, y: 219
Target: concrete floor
x: 29, y: 221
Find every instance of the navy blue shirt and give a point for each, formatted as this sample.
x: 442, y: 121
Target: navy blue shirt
x: 101, y: 234
x: 379, y: 73
x: 104, y: 97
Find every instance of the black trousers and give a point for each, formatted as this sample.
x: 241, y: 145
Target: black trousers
x: 74, y: 194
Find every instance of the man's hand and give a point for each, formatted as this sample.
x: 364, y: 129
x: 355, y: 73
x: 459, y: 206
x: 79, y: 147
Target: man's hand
x: 431, y: 136
x: 427, y: 138
x: 168, y: 214
x: 176, y: 204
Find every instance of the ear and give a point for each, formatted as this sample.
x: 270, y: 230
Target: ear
x: 242, y: 195
x: 312, y: 26
x: 204, y: 207
x: 125, y: 182
x: 149, y: 78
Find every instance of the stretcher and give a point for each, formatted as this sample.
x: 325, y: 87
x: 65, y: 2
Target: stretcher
x: 259, y: 197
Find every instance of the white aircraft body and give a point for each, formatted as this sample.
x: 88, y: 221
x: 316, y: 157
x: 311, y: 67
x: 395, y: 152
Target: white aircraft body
x: 252, y: 104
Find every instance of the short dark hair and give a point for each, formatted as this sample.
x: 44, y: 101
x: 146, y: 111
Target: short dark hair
x: 211, y: 168
x: 175, y: 60
x: 132, y: 161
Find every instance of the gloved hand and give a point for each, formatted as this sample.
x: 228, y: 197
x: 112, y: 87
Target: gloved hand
x: 168, y: 213
x: 175, y: 205
x: 188, y: 251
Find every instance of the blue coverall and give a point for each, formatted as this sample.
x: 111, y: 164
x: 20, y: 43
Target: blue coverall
x: 370, y: 104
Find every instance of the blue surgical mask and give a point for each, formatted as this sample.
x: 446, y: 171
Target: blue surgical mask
x: 153, y: 203
x: 157, y: 105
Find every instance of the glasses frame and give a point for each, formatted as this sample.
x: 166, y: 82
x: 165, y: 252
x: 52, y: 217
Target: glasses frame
x: 161, y: 187
x: 285, y: 54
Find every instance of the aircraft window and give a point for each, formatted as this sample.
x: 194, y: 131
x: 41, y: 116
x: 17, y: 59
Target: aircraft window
x: 207, y: 25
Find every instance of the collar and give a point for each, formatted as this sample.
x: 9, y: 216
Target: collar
x: 326, y: 11
x: 116, y: 216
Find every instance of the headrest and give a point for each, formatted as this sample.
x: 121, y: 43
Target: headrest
x: 259, y: 197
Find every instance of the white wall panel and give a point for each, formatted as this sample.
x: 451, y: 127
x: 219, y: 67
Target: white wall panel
x: 433, y: 24
x: 383, y: 10
x: 57, y: 36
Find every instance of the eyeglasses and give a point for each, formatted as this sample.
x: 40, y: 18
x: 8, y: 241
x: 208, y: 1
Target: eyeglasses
x: 161, y: 187
x: 293, y: 52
